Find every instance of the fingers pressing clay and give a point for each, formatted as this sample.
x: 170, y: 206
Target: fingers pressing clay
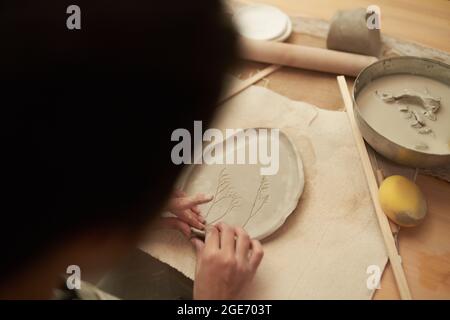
x: 227, y: 238
x: 212, y: 240
x: 257, y: 254
x: 183, y: 203
x: 242, y: 244
x: 196, y: 210
x: 198, y: 245
x: 191, y: 218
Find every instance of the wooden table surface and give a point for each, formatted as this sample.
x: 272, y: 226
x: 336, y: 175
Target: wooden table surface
x: 425, y: 250
x: 423, y: 21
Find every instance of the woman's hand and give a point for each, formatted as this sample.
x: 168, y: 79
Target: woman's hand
x: 187, y: 213
x: 226, y: 262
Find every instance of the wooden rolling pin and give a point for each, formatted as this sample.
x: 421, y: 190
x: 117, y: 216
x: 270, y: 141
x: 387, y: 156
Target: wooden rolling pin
x: 304, y: 57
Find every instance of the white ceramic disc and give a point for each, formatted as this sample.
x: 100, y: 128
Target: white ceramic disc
x: 242, y: 196
x: 286, y: 34
x: 261, y: 22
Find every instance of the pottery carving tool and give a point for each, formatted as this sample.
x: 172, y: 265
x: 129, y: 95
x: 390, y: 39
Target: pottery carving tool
x: 200, y: 234
x: 388, y: 238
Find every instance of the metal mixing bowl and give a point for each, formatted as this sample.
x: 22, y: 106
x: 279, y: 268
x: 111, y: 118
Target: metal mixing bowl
x: 400, y: 65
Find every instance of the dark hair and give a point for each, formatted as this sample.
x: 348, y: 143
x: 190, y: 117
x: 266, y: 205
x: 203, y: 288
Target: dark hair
x: 87, y: 115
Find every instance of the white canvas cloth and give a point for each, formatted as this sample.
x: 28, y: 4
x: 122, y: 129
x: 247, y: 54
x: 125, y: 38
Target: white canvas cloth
x: 326, y: 245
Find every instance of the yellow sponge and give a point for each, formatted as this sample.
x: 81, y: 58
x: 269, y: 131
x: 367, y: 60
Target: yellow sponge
x: 402, y: 201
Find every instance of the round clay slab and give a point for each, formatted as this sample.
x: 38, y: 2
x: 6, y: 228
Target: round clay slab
x: 261, y: 22
x: 242, y: 196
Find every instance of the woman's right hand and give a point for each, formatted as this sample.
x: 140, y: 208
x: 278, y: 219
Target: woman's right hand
x: 226, y: 262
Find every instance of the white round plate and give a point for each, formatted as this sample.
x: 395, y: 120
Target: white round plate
x: 262, y: 22
x: 242, y: 196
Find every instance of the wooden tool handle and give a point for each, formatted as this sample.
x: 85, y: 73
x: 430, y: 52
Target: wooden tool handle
x: 234, y: 89
x: 383, y: 222
x: 304, y: 57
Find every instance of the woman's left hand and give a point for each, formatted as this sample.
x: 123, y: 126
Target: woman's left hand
x: 187, y: 212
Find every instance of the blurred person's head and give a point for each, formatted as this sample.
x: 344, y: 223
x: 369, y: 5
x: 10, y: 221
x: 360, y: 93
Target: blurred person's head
x: 86, y: 120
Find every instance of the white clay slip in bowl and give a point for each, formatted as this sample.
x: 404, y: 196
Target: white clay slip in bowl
x: 402, y: 107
